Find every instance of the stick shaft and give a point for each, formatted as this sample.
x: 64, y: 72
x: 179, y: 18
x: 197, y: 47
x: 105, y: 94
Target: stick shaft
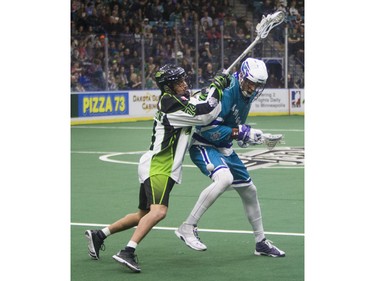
x: 244, y: 53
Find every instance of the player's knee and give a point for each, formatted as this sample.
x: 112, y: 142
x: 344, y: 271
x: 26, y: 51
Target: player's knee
x: 158, y: 212
x: 253, y: 187
x: 224, y: 176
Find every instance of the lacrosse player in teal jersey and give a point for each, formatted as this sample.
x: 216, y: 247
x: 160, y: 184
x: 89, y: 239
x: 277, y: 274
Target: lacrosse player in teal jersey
x: 161, y: 166
x: 212, y: 152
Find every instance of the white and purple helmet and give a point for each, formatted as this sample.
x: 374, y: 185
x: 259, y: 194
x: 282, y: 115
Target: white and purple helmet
x: 253, y: 72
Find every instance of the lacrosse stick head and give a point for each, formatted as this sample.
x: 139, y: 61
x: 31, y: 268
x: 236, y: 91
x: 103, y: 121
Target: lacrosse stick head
x: 268, y: 22
x: 271, y: 140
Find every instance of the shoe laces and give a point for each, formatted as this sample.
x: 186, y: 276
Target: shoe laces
x: 269, y: 243
x: 195, y: 231
x: 132, y: 256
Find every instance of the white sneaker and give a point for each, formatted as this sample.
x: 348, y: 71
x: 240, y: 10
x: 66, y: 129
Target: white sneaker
x: 189, y: 234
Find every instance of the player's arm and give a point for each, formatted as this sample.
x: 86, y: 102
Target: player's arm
x: 185, y: 112
x: 218, y: 135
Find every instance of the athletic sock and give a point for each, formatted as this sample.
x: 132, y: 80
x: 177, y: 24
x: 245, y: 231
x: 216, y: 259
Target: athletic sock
x: 131, y: 246
x: 106, y: 231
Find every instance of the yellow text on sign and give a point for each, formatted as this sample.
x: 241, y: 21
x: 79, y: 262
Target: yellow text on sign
x: 103, y: 104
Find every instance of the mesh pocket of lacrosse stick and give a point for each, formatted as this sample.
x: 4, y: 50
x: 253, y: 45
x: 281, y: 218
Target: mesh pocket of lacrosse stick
x: 271, y: 140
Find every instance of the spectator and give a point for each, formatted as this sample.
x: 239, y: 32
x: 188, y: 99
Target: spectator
x: 240, y: 34
x: 135, y: 59
x: 122, y: 79
x: 76, y: 86
x: 213, y: 35
x: 291, y: 82
x: 112, y: 83
x: 293, y: 40
x: 205, y: 55
x: 248, y: 30
x: 206, y: 18
x: 273, y: 82
x: 201, y: 82
x: 122, y: 21
x: 156, y: 11
x: 126, y: 58
x: 233, y: 28
x: 208, y: 73
x: 188, y: 68
x: 135, y: 82
x: 292, y: 9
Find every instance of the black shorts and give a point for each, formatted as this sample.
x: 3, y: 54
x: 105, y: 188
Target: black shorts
x: 155, y: 190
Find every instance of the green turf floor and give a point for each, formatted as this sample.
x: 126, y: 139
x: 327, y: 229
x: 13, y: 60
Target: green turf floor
x: 104, y: 187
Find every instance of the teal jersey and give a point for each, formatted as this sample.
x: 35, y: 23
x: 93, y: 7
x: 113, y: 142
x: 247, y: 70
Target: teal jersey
x: 234, y: 111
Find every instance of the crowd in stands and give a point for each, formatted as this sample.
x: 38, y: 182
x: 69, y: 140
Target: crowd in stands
x: 160, y: 32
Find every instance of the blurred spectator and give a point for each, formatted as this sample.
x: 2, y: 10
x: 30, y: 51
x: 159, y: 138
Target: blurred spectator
x: 232, y: 27
x: 205, y: 55
x: 206, y: 18
x: 291, y: 83
x: 208, y: 73
x: 112, y: 83
x: 188, y: 68
x: 273, y: 82
x: 135, y: 82
x: 248, y: 30
x: 155, y: 11
x: 213, y: 35
x: 176, y: 14
x: 97, y: 74
x: 201, y: 81
x: 240, y: 34
x: 122, y: 79
x: 293, y: 41
x: 125, y: 22
x: 135, y: 59
x: 76, y: 86
x: 292, y: 9
x: 150, y: 69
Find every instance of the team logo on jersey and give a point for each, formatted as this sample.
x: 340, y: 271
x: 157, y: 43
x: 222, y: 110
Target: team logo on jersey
x: 289, y: 156
x: 215, y: 136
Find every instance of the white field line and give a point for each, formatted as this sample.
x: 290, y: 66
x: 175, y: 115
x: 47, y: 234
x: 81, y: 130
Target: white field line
x: 200, y: 229
x: 105, y: 156
x: 148, y: 128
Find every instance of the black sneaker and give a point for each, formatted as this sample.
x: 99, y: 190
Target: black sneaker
x: 95, y: 243
x: 265, y: 248
x: 129, y: 259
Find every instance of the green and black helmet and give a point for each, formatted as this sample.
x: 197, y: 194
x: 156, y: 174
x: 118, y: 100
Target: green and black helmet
x: 168, y: 75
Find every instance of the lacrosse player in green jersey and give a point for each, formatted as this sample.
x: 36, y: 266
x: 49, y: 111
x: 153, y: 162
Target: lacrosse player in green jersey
x: 161, y: 166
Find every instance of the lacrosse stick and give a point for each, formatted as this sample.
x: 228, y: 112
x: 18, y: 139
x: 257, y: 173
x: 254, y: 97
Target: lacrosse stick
x: 267, y: 139
x: 271, y: 140
x: 262, y: 29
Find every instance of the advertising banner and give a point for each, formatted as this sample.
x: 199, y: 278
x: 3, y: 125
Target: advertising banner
x: 271, y: 102
x: 119, y: 106
x: 297, y: 101
x: 143, y: 103
x: 103, y: 104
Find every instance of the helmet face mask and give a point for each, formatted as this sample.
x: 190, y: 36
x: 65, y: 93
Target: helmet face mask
x: 253, y: 77
x: 170, y: 78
